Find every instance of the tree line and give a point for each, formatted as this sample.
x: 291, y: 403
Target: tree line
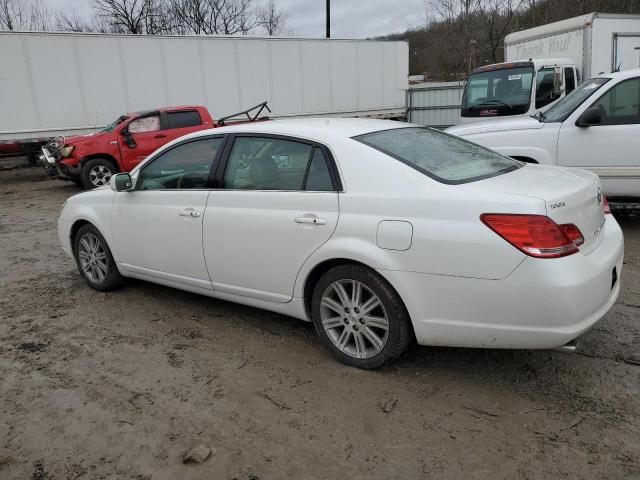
x: 457, y: 36
x: 152, y: 17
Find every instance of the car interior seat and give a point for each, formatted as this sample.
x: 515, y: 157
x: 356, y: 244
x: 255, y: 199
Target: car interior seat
x: 263, y: 173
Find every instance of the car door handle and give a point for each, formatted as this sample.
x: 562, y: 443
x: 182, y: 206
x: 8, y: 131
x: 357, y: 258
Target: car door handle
x: 311, y: 220
x: 189, y: 212
x: 160, y: 135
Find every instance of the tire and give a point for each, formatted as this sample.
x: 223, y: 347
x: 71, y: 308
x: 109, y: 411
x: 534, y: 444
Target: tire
x: 97, y: 172
x: 357, y: 334
x: 94, y: 260
x: 77, y: 180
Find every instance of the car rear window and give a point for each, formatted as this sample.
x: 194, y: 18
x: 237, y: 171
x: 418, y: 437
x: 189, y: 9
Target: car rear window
x: 184, y: 119
x: 441, y: 156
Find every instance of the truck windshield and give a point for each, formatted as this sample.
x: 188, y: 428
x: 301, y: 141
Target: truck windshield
x: 560, y: 111
x: 438, y: 155
x: 506, y: 91
x: 114, y: 124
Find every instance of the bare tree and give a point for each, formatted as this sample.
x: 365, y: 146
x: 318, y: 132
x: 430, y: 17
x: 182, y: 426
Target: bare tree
x: 24, y: 15
x: 272, y: 19
x: 124, y: 16
x: 496, y: 18
x: 228, y: 17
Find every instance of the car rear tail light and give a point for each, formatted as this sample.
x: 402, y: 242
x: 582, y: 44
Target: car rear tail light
x: 573, y: 232
x: 607, y: 208
x: 536, y: 235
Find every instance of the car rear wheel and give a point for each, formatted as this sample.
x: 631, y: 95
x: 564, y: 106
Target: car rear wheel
x: 94, y: 259
x: 359, y: 317
x: 97, y: 172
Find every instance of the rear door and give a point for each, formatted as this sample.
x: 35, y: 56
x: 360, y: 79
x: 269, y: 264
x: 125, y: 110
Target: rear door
x: 277, y: 202
x: 177, y: 123
x: 626, y: 51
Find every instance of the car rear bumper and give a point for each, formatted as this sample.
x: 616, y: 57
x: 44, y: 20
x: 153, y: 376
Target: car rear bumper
x: 544, y: 303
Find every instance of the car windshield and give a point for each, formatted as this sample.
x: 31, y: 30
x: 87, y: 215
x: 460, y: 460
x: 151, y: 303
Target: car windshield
x: 441, y: 156
x: 114, y: 124
x: 506, y: 87
x: 566, y: 106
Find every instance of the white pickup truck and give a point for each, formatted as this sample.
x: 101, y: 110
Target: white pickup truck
x: 596, y: 127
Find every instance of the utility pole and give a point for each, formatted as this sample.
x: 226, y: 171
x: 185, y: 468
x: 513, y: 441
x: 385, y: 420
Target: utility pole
x: 328, y: 33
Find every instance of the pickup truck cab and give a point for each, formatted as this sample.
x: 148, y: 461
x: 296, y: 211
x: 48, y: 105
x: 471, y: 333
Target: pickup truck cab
x: 91, y: 160
x: 596, y: 127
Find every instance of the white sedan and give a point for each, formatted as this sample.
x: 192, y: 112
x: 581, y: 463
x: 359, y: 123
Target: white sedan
x: 379, y: 232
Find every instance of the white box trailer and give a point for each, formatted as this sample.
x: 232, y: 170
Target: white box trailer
x: 544, y: 64
x: 67, y: 83
x: 596, y: 43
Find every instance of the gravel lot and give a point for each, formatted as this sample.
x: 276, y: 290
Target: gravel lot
x: 121, y: 385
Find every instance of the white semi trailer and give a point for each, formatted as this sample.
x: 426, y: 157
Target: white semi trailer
x: 68, y: 83
x: 545, y: 63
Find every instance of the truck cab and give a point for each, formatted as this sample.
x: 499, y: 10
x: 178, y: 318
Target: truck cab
x: 517, y: 88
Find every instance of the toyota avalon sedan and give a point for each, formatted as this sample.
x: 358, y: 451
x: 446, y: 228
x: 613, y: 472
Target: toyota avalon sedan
x: 378, y: 232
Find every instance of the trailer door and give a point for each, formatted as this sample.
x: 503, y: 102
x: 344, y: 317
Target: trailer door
x: 626, y: 48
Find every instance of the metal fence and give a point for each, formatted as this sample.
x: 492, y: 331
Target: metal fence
x: 435, y: 104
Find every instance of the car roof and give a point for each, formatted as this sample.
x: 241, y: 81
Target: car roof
x: 620, y: 75
x: 311, y: 128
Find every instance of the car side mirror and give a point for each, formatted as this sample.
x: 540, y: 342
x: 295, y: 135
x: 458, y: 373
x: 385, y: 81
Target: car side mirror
x: 121, y: 182
x: 128, y: 138
x: 591, y: 116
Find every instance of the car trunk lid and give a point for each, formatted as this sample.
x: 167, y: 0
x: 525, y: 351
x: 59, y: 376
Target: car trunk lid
x: 571, y: 196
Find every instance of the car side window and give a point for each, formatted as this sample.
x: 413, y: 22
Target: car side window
x: 621, y: 104
x: 150, y: 123
x: 318, y: 176
x: 267, y: 163
x: 184, y: 119
x: 185, y: 166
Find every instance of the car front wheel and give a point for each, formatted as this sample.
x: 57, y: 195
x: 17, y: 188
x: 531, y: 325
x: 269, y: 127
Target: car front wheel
x: 94, y: 259
x: 97, y: 172
x: 359, y: 317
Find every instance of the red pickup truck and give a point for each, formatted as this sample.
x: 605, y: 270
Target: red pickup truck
x: 91, y: 160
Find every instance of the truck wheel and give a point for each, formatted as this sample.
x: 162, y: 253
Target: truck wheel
x: 97, y: 172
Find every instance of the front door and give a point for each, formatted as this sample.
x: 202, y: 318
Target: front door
x: 143, y: 137
x: 277, y: 205
x: 609, y: 149
x: 157, y: 228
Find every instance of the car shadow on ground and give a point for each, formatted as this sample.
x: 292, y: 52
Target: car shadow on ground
x: 539, y: 375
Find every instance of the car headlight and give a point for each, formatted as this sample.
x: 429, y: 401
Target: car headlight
x: 66, y: 151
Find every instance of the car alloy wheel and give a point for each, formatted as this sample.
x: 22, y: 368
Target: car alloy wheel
x: 100, y: 175
x: 93, y: 258
x: 354, y: 319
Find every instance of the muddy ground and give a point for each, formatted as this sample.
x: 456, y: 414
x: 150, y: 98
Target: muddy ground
x: 120, y: 385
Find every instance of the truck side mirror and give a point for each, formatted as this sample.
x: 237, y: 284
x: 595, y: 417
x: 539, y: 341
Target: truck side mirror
x: 128, y: 138
x: 591, y: 116
x: 121, y: 182
x: 558, y: 81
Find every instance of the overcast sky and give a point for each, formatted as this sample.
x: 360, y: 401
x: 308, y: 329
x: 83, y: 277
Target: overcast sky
x: 305, y: 18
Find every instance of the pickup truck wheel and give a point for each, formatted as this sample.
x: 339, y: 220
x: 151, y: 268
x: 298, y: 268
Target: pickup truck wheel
x: 97, y: 172
x: 94, y: 259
